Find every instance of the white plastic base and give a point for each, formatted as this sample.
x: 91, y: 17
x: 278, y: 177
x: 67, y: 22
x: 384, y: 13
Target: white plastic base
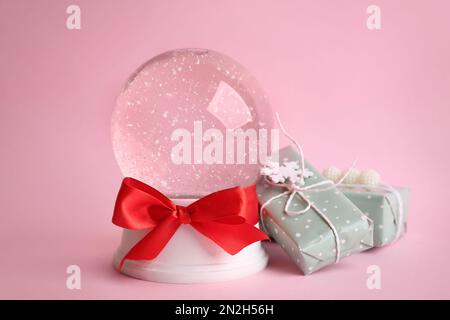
x: 190, y: 257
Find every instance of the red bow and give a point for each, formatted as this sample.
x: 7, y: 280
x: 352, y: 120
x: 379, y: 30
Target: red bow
x: 226, y: 217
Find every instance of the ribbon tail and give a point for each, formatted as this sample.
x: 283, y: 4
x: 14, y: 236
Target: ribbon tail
x: 230, y: 237
x: 152, y: 244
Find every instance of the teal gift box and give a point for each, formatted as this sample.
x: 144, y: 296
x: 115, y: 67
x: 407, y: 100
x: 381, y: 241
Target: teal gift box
x: 386, y: 206
x: 329, y: 228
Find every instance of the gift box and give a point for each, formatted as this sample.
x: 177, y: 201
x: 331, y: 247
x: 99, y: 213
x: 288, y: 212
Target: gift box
x: 386, y: 206
x: 316, y: 224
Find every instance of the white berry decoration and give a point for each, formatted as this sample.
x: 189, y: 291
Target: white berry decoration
x: 369, y: 177
x: 352, y: 176
x: 332, y: 173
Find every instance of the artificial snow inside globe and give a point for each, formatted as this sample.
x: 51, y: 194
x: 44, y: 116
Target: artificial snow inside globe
x: 189, y: 123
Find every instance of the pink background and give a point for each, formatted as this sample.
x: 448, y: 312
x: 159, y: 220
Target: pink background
x: 343, y: 90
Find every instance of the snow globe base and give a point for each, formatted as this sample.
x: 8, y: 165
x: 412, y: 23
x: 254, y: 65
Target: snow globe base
x: 190, y: 257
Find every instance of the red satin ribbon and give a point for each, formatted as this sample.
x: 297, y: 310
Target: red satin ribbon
x: 226, y: 217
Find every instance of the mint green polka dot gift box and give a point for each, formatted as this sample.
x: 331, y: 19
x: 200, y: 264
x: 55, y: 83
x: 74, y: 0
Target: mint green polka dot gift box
x: 386, y: 206
x: 313, y: 221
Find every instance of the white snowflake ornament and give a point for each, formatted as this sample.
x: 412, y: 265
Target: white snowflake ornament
x: 277, y: 177
x: 269, y: 168
x: 291, y: 172
x: 288, y: 172
x: 291, y: 165
x: 307, y: 173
